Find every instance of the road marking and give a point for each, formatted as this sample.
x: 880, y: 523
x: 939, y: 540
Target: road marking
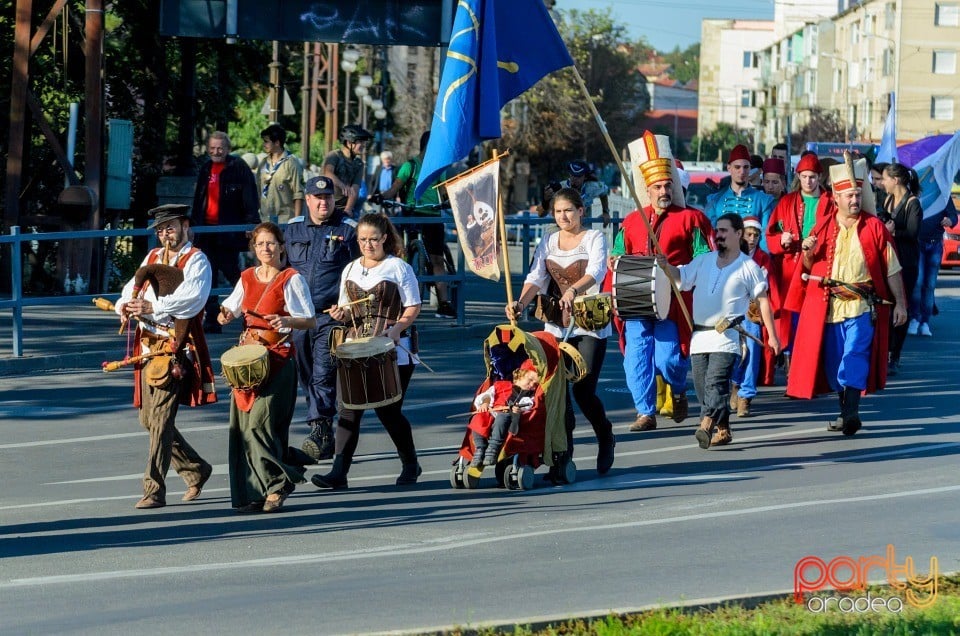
x: 447, y: 544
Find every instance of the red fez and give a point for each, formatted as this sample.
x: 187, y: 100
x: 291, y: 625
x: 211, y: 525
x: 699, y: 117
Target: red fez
x: 809, y: 163
x: 774, y: 166
x: 679, y: 163
x: 528, y: 365
x: 738, y: 153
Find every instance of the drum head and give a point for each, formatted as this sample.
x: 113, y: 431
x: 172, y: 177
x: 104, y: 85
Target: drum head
x: 365, y: 347
x: 243, y: 354
x: 661, y: 293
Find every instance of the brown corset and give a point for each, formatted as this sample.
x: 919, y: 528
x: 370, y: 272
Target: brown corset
x: 563, y: 277
x: 375, y: 317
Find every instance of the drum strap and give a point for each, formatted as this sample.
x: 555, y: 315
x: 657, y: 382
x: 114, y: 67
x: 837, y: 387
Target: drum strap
x: 703, y: 328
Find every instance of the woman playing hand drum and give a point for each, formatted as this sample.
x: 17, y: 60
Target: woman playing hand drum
x: 388, y: 283
x: 273, y: 300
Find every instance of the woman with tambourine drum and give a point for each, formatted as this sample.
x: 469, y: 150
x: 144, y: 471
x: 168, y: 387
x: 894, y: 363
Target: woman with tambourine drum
x: 567, y: 265
x: 273, y: 300
x: 379, y: 301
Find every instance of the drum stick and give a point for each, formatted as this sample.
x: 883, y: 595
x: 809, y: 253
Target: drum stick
x: 455, y: 415
x: 417, y: 358
x: 365, y: 299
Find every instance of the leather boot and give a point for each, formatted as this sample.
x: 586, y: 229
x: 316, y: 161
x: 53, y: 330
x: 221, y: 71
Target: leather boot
x: 722, y: 437
x: 743, y: 407
x: 409, y: 473
x: 851, y: 411
x: 605, y: 446
x: 336, y: 479
x: 703, y: 432
x: 319, y: 442
x: 734, y: 395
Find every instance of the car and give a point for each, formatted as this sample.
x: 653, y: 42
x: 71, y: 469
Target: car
x: 951, y: 238
x: 702, y: 184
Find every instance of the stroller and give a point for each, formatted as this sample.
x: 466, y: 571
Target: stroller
x: 541, y: 437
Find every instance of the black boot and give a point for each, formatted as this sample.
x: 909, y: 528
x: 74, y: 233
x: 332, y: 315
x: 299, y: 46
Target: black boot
x: 851, y: 411
x: 336, y: 479
x: 319, y: 443
x: 409, y: 473
x: 606, y: 444
x: 837, y: 425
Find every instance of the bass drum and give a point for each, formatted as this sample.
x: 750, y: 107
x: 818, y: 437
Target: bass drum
x: 640, y: 288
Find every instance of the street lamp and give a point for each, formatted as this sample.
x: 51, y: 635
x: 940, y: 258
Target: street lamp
x: 349, y: 65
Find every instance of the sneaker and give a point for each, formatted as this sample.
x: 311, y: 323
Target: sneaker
x: 913, y: 327
x: 445, y: 310
x: 925, y: 330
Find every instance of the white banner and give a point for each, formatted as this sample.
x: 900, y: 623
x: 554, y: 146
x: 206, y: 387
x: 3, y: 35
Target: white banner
x: 473, y: 199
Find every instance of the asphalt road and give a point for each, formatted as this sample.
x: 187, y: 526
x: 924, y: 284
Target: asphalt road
x: 670, y: 523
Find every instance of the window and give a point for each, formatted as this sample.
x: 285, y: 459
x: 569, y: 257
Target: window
x: 747, y: 59
x: 812, y: 82
x: 853, y: 75
x: 854, y: 33
x: 941, y: 108
x: 747, y: 98
x: 837, y: 80
x: 889, y: 17
x: 947, y: 14
x: 887, y: 63
x: 945, y: 62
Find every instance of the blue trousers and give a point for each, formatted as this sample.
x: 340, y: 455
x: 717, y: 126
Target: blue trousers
x: 317, y: 370
x: 921, y: 300
x: 652, y: 348
x: 846, y: 352
x: 745, y: 371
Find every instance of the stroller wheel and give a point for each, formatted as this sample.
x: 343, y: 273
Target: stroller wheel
x: 456, y: 476
x: 525, y: 477
x: 570, y: 472
x: 501, y: 472
x: 509, y: 481
x: 470, y: 481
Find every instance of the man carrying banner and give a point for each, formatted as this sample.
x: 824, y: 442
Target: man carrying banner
x: 659, y: 347
x: 848, y: 279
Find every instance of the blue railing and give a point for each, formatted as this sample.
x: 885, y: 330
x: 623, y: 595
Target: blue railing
x: 529, y: 230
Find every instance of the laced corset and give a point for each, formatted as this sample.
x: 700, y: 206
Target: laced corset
x: 375, y: 317
x: 563, y: 277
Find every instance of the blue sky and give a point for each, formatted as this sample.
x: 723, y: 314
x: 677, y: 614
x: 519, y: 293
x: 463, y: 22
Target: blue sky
x: 667, y: 23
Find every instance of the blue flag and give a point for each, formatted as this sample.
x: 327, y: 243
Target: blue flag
x: 888, y: 144
x: 498, y: 50
x: 937, y: 173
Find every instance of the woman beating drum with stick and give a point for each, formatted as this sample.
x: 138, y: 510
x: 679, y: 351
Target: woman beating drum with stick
x: 273, y: 300
x: 569, y: 263
x: 379, y: 296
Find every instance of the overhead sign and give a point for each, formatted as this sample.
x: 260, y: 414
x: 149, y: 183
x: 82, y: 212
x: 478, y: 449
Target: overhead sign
x: 390, y: 22
x: 831, y: 149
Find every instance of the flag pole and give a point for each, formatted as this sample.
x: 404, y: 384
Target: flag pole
x: 502, y: 230
x: 633, y: 191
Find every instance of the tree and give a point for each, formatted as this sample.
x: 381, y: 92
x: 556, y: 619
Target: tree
x: 715, y: 144
x: 822, y: 125
x: 685, y: 63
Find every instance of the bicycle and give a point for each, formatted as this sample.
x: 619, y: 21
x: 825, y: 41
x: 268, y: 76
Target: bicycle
x: 416, y: 251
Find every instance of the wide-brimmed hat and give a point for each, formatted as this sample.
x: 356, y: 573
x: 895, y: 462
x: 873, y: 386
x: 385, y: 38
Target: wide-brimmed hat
x: 168, y: 212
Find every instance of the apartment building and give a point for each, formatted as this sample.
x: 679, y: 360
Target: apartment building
x: 729, y: 71
x: 852, y: 63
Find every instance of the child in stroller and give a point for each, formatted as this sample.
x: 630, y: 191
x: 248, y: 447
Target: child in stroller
x: 508, y: 400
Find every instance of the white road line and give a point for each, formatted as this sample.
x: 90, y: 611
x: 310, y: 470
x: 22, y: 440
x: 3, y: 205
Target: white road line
x: 448, y: 543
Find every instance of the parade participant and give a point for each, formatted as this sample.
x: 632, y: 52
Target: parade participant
x: 723, y: 285
x: 740, y: 196
x: 654, y: 347
x: 508, y: 399
x: 164, y: 382
x: 932, y: 229
x: 344, y: 166
x: 747, y: 372
x: 226, y: 194
x: 792, y: 220
x: 588, y: 186
x: 280, y: 178
x: 903, y: 216
x: 779, y: 151
x: 569, y: 263
x: 381, y: 272
x: 319, y: 247
x: 774, y: 178
x: 273, y: 300
x: 405, y: 186
x: 852, y: 273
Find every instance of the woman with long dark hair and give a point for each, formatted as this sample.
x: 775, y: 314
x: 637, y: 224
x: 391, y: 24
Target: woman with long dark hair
x: 903, y: 217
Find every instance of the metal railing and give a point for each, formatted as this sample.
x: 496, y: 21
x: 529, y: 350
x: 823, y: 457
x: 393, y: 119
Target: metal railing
x: 528, y: 233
